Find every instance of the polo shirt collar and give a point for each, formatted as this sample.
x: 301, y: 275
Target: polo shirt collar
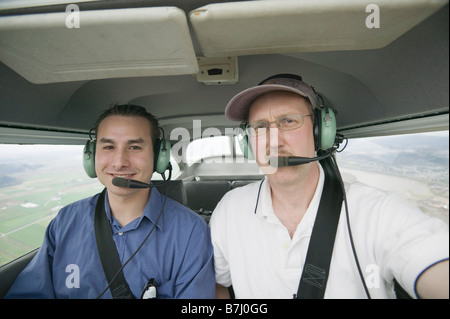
x: 264, y: 208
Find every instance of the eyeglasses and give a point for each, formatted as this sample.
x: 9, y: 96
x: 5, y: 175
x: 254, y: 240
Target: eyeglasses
x: 285, y: 123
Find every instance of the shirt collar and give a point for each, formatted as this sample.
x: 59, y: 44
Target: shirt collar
x: 264, y: 208
x: 151, y: 211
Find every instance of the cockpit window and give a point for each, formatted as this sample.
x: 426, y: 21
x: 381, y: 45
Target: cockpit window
x: 208, y: 149
x: 36, y: 181
x: 415, y: 165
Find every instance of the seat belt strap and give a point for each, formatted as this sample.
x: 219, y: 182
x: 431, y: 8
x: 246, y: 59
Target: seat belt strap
x: 317, y: 265
x: 108, y: 252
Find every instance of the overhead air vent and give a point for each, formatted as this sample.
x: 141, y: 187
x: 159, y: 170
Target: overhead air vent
x: 217, y: 71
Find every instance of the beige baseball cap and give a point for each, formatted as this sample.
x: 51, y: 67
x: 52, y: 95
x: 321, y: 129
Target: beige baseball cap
x: 237, y: 108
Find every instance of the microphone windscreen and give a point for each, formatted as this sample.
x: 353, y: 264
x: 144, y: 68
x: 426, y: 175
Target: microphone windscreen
x: 278, y: 161
x: 121, y: 182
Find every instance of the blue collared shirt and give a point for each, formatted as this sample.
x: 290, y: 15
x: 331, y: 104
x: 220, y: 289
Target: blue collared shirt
x: 178, y: 254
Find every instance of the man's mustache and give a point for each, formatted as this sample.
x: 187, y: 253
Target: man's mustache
x: 281, y: 153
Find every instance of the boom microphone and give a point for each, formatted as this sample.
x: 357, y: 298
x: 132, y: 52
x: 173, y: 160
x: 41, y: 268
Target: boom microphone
x: 295, y: 160
x: 129, y: 183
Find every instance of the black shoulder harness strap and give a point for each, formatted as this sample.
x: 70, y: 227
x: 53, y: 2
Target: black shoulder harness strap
x: 108, y: 252
x: 317, y: 265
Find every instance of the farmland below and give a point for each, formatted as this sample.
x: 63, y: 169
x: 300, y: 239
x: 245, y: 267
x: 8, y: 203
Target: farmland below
x: 33, y: 188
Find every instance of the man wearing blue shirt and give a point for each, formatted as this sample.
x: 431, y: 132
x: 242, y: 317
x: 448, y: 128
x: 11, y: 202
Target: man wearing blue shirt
x: 176, y: 258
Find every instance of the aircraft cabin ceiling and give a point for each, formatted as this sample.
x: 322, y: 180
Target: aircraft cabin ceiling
x: 158, y: 54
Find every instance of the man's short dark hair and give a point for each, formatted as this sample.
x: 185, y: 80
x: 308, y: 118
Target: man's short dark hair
x: 130, y: 110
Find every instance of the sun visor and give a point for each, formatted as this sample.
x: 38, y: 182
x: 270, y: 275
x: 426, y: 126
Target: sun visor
x: 86, y: 45
x: 266, y: 27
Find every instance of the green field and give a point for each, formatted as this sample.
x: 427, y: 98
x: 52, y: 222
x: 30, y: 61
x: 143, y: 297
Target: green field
x: 27, y: 208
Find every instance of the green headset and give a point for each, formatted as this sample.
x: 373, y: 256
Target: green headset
x: 324, y: 126
x: 161, y: 159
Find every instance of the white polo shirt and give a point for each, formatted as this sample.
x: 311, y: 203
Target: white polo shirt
x: 254, y: 252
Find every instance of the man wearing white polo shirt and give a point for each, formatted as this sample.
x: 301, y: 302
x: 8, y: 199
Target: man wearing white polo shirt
x: 261, y: 232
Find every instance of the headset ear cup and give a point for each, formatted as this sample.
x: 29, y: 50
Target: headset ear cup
x: 162, y: 155
x: 245, y: 145
x: 317, y: 128
x: 89, y: 158
x: 327, y: 128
